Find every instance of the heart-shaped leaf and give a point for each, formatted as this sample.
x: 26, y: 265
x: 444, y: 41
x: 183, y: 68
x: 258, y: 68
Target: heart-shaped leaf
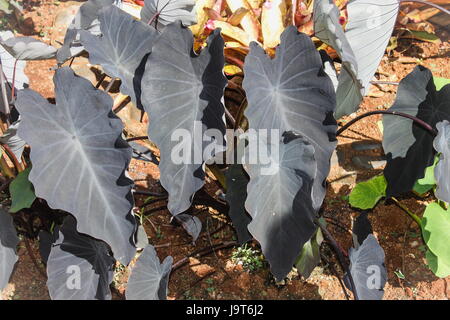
x: 182, y: 93
x: 164, y: 12
x: 8, y: 244
x: 79, y: 267
x: 440, y: 82
x: 428, y: 182
x: 8, y: 61
x: 409, y: 147
x: 22, y: 192
x: 79, y: 159
x: 141, y: 237
x: 328, y: 29
x: 85, y: 19
x: 279, y: 200
x: 435, y: 226
x: 191, y: 224
x: 369, y: 28
x: 366, y: 194
x: 368, y: 270
x: 361, y: 47
x: 237, y: 181
x: 28, y: 48
x: 149, y: 278
x: 121, y: 49
x: 442, y: 171
x: 437, y: 266
x: 291, y: 92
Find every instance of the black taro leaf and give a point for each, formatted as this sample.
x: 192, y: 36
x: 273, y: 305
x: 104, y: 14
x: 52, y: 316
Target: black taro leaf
x: 14, y: 142
x: 79, y: 267
x: 8, y: 97
x: 362, y: 228
x: 237, y: 181
x: 168, y: 11
x: 328, y: 29
x: 368, y: 270
x: 191, y: 224
x: 149, y: 278
x: 79, y: 159
x: 310, y: 255
x: 85, y: 19
x: 328, y: 67
x: 361, y: 47
x: 409, y: 147
x: 442, y: 170
x: 279, y: 201
x: 46, y: 241
x: 121, y: 48
x: 182, y: 93
x: 141, y: 237
x: 291, y: 92
x: 8, y: 61
x: 369, y: 28
x: 28, y: 48
x: 8, y: 244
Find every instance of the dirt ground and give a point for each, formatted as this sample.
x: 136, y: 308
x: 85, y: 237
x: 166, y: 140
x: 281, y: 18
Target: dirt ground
x: 210, y: 274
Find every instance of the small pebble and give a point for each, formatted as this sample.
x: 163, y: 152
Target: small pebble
x: 414, y: 244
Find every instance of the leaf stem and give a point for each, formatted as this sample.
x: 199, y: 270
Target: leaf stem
x: 240, y: 114
x: 416, y: 120
x: 393, y: 83
x: 4, y: 95
x: 229, y: 117
x: 99, y: 82
x: 137, y: 138
x: 13, y: 93
x: 409, y: 212
x: 339, y: 254
x: 12, y: 157
x: 333, y: 269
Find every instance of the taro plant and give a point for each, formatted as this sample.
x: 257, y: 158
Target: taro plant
x: 273, y: 166
x: 415, y: 140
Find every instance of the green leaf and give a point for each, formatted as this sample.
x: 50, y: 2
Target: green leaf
x: 399, y: 274
x: 428, y: 181
x: 310, y: 255
x: 435, y: 231
x: 437, y: 265
x: 365, y: 195
x: 4, y: 6
x: 22, y: 192
x: 440, y: 82
x: 421, y: 189
x: 424, y: 36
